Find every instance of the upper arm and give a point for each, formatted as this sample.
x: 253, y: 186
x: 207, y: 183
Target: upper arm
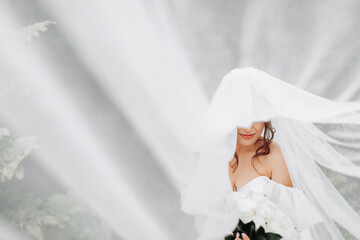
x: 278, y: 168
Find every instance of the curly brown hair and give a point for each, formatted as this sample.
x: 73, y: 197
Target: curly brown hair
x: 264, y: 149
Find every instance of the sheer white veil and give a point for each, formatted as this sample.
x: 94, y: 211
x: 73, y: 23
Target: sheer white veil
x: 249, y: 95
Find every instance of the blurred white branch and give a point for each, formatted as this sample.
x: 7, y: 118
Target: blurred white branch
x: 12, y: 153
x: 27, y: 33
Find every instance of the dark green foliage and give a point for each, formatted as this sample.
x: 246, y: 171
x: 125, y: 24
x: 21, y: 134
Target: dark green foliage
x: 250, y: 230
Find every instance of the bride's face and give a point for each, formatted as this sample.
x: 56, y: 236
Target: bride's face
x: 248, y: 136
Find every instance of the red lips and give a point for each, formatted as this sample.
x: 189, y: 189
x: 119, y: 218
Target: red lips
x: 247, y: 136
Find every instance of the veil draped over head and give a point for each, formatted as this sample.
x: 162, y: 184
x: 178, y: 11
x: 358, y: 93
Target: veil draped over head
x: 249, y: 95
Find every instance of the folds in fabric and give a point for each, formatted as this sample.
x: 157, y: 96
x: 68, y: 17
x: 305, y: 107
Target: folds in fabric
x: 249, y: 95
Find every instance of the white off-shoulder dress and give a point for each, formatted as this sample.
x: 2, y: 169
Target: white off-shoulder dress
x: 290, y: 200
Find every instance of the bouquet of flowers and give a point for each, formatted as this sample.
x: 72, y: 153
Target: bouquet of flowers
x: 260, y: 218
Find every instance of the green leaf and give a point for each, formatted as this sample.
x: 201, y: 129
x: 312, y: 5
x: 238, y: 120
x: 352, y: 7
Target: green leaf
x: 273, y: 236
x: 258, y: 237
x: 229, y: 237
x: 261, y: 231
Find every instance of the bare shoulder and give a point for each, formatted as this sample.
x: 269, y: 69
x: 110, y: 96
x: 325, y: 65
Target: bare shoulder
x: 278, y: 168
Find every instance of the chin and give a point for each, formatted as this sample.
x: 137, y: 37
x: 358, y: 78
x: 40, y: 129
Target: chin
x: 248, y: 142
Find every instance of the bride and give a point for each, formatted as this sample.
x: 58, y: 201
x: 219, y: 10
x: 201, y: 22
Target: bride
x: 259, y: 139
x: 257, y: 157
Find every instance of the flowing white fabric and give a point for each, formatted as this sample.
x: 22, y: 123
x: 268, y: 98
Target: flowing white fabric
x: 249, y: 95
x: 290, y: 200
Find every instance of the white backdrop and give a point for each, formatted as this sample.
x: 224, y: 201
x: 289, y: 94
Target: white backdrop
x: 116, y: 91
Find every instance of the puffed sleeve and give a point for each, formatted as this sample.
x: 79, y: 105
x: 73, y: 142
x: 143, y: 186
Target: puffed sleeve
x: 294, y: 203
